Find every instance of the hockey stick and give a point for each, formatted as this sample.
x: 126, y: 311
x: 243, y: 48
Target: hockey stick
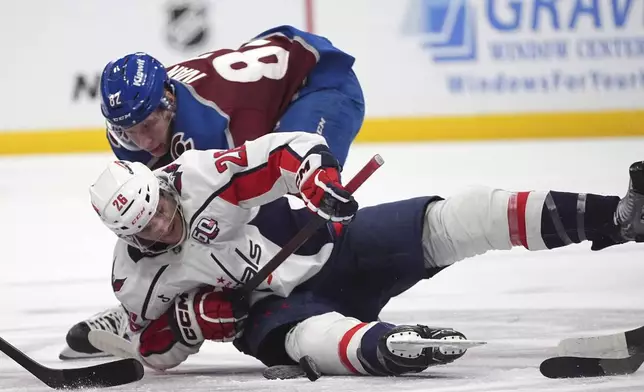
x: 620, y: 353
x: 303, y: 235
x: 104, y: 375
x: 574, y: 367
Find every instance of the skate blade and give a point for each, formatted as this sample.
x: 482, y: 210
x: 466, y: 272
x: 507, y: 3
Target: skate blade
x: 414, y: 341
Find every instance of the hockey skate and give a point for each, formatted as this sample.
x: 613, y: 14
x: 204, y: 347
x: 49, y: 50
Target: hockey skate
x: 112, y: 320
x: 417, y: 347
x: 630, y: 210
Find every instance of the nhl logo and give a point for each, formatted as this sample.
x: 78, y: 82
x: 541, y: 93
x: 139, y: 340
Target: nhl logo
x: 188, y: 24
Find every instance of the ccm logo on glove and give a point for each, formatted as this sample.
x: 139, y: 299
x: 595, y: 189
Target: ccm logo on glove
x: 184, y: 322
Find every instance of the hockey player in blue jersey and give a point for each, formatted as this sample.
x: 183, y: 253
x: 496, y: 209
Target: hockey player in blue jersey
x: 282, y: 80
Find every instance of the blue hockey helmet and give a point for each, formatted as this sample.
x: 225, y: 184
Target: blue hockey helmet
x: 132, y: 87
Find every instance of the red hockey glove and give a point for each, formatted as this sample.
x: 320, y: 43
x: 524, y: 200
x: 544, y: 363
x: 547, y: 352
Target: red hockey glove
x: 207, y: 314
x: 201, y: 314
x: 318, y: 180
x: 157, y: 339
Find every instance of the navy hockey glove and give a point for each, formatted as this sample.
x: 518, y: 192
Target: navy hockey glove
x: 318, y: 180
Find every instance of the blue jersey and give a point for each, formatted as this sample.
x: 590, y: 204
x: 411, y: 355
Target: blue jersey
x: 229, y: 96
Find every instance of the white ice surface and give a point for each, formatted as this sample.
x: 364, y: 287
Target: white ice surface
x: 55, y: 271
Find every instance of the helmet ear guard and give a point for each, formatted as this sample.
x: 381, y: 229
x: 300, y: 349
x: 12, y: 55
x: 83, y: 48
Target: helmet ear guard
x: 166, y: 103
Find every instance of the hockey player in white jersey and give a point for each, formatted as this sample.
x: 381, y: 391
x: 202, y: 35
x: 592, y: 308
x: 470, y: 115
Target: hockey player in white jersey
x: 194, y: 230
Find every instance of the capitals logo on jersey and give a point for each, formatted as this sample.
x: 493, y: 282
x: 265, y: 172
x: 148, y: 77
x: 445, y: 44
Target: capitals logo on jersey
x: 117, y: 284
x: 135, y: 326
x: 174, y: 176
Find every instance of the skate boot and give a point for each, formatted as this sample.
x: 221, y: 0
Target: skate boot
x: 113, y: 320
x: 417, y: 358
x: 630, y: 210
x: 627, y: 223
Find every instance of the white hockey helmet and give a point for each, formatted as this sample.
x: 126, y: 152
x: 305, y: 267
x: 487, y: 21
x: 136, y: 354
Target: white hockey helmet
x: 125, y: 196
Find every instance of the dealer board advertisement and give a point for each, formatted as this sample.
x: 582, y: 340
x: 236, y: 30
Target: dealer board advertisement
x: 494, y: 56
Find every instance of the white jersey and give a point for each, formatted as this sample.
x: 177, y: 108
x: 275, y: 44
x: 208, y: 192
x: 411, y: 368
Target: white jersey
x: 237, y: 219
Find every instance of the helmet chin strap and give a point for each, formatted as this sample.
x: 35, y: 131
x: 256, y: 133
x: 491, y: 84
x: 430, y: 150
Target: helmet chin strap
x: 179, y: 211
x: 166, y: 104
x: 184, y: 226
